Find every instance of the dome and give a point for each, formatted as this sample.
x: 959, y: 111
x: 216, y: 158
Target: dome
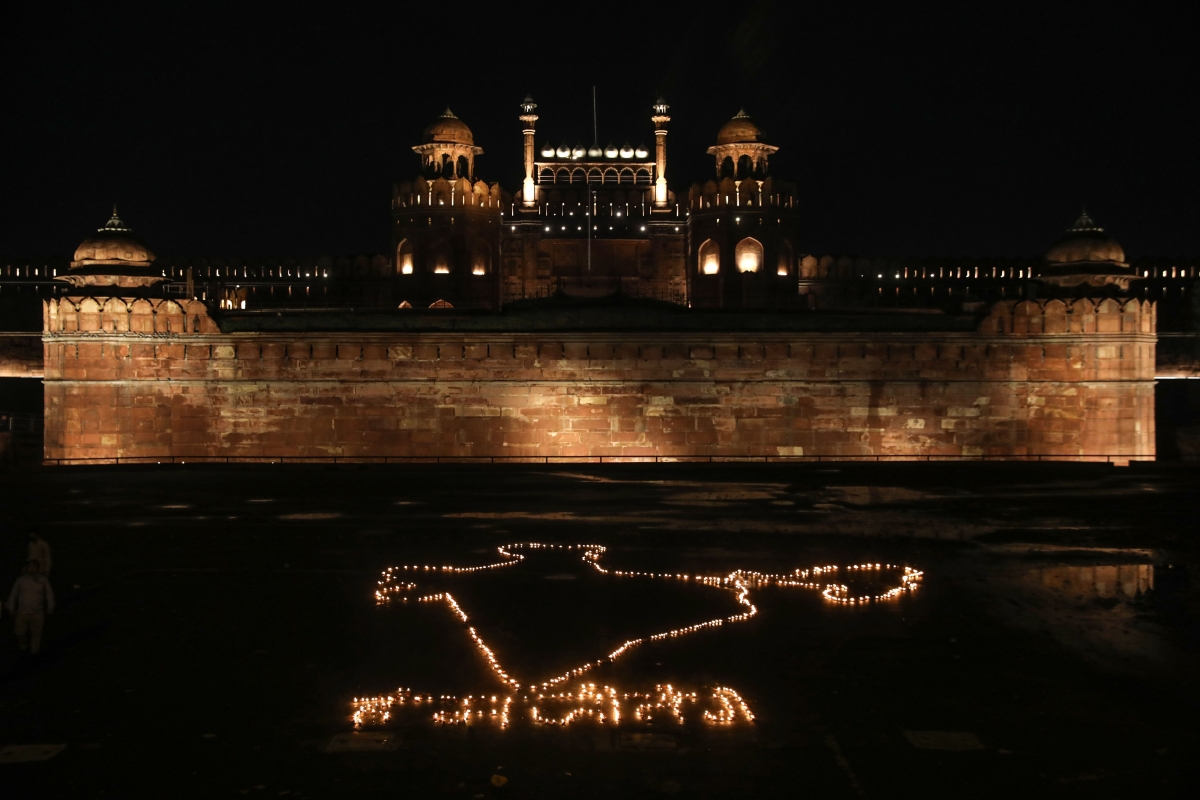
x: 739, y: 129
x: 113, y: 244
x: 448, y: 129
x: 1085, y: 242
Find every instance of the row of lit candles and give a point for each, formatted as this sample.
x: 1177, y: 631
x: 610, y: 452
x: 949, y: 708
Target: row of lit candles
x: 738, y: 581
x: 592, y: 553
x: 597, y: 704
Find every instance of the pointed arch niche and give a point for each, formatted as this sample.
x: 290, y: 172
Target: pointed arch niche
x: 748, y: 255
x: 439, y: 258
x: 708, y: 258
x: 404, y: 258
x: 481, y: 258
x: 783, y: 266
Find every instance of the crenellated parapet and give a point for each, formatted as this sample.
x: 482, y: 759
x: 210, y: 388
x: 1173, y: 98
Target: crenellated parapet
x: 443, y: 194
x: 1084, y: 315
x: 99, y: 315
x: 748, y: 193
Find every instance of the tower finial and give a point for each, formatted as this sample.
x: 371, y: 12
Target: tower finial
x: 114, y: 222
x: 1084, y: 223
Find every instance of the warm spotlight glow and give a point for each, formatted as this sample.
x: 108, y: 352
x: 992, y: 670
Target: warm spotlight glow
x: 545, y: 703
x: 749, y: 255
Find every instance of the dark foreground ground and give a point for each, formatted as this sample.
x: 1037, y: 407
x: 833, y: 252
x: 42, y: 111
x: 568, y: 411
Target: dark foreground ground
x: 213, y: 625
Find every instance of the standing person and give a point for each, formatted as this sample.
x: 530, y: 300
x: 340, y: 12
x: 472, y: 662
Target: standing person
x: 39, y: 551
x: 30, y: 601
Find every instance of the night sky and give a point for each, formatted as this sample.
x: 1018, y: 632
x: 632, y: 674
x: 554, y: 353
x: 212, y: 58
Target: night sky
x: 939, y: 133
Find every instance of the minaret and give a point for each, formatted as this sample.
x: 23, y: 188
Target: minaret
x: 660, y: 120
x: 528, y: 193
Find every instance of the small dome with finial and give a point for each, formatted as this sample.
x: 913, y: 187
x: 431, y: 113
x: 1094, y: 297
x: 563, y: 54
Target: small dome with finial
x: 1085, y: 243
x: 111, y: 258
x: 113, y: 244
x: 738, y: 130
x: 448, y: 129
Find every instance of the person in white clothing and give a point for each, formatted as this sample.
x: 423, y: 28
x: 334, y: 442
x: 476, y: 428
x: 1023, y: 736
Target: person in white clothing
x: 30, y: 601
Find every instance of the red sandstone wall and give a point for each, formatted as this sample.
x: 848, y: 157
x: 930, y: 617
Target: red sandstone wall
x: 1000, y: 392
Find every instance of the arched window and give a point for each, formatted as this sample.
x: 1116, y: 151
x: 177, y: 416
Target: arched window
x: 404, y: 258
x: 726, y: 167
x: 481, y: 259
x: 439, y: 259
x: 577, y: 175
x: 610, y: 175
x: 642, y: 176
x: 562, y: 176
x: 463, y: 167
x: 593, y: 176
x: 546, y: 176
x: 748, y: 255
x: 785, y: 258
x: 708, y: 258
x: 626, y: 175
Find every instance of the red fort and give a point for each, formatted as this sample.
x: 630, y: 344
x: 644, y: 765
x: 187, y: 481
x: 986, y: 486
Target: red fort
x: 595, y: 314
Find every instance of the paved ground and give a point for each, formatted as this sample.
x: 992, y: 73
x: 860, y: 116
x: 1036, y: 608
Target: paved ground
x: 214, y: 624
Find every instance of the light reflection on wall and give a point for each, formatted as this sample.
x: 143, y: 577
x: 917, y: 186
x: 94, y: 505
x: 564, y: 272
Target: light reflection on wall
x: 541, y: 703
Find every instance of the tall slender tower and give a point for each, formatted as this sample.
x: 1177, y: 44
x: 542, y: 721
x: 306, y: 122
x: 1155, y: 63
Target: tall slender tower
x: 528, y: 191
x: 660, y: 120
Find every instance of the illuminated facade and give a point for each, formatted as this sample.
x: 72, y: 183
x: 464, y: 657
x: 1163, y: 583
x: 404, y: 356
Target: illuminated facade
x: 589, y: 220
x: 596, y: 313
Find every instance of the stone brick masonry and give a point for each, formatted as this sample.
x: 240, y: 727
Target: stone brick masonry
x: 155, y: 379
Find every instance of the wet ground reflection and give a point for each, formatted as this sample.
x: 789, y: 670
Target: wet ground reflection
x: 1096, y: 581
x: 551, y: 700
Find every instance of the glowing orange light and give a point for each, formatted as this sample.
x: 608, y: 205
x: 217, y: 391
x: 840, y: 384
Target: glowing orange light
x: 603, y: 705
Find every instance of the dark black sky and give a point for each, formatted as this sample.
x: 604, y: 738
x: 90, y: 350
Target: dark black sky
x: 225, y: 131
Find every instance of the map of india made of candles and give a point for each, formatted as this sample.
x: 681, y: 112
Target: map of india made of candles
x: 576, y: 695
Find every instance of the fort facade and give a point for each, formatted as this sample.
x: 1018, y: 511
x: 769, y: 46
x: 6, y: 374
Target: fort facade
x: 135, y: 380
x: 595, y: 313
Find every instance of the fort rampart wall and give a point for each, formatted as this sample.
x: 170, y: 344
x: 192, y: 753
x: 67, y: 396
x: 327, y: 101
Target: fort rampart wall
x: 138, y: 379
